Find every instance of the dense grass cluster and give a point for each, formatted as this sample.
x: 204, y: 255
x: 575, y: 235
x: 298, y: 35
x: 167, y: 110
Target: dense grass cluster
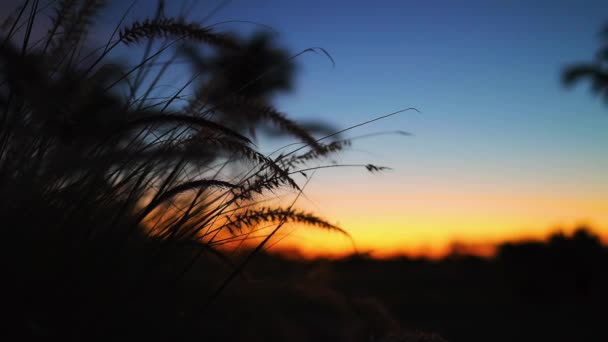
x: 121, y: 201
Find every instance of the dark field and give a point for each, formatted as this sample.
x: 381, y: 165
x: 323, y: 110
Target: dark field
x: 534, y: 291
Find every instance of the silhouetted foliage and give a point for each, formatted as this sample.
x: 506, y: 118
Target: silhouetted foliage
x: 119, y: 202
x: 596, y: 72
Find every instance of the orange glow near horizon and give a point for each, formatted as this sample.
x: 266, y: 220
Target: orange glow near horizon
x: 432, y: 223
x: 385, y: 222
x: 418, y: 243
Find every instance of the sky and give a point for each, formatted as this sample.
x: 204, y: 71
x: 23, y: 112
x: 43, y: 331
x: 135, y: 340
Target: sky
x: 500, y: 149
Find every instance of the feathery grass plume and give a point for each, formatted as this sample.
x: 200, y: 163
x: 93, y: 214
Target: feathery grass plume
x: 63, y: 12
x: 183, y: 187
x: 254, y: 217
x: 70, y: 25
x: 324, y: 149
x: 258, y: 109
x: 170, y: 27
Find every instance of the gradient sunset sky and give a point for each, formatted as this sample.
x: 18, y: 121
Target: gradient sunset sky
x: 501, y: 150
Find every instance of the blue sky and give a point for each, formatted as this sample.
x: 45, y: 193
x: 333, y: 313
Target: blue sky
x: 484, y: 74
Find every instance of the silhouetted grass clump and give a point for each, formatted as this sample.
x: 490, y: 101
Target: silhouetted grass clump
x: 119, y: 200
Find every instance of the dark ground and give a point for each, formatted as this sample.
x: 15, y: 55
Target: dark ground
x: 530, y: 291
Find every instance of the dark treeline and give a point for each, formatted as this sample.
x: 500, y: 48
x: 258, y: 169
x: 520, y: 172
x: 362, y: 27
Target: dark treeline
x: 553, y: 290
